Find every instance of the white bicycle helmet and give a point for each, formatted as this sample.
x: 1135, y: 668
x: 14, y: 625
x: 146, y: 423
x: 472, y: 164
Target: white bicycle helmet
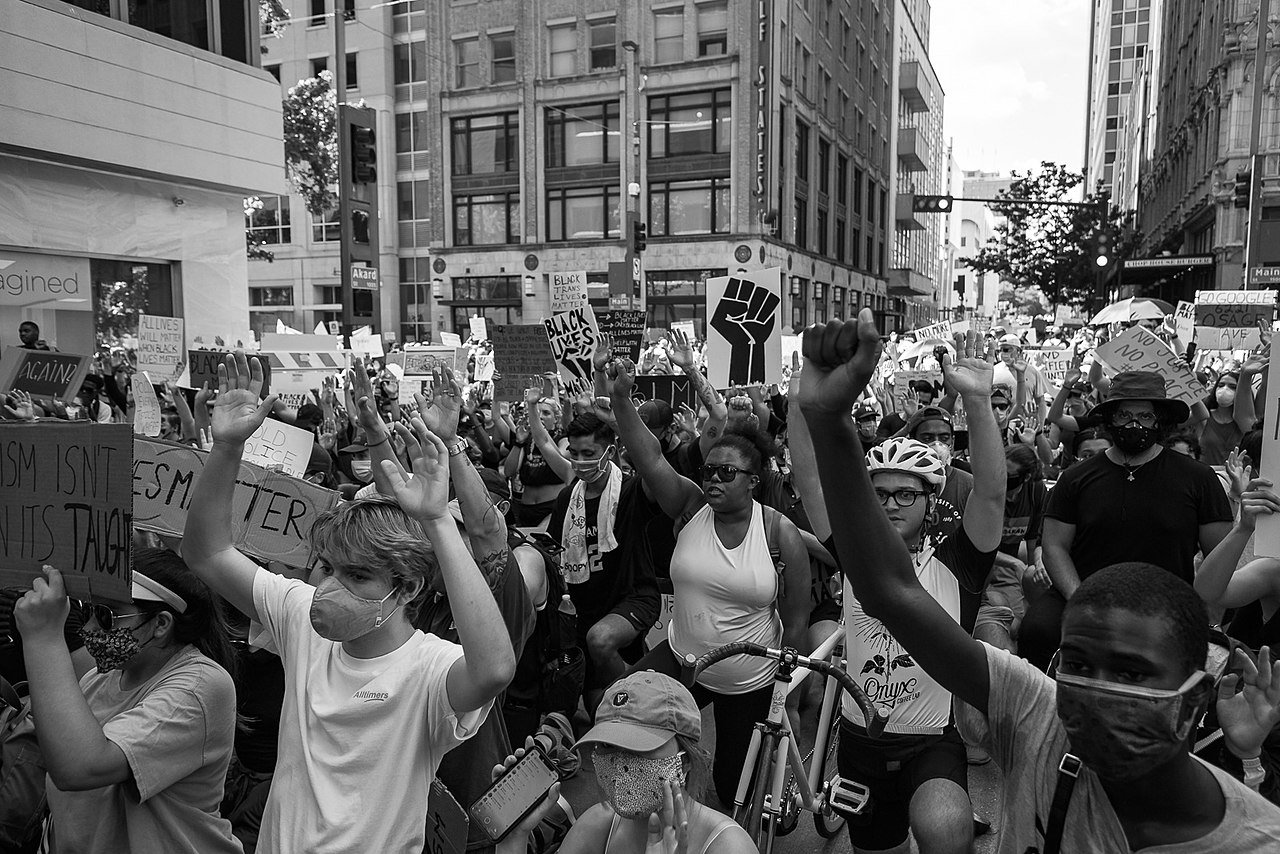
x: 910, y: 457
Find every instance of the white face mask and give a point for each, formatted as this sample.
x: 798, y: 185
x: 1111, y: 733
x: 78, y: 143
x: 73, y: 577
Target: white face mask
x: 589, y: 471
x: 362, y: 470
x: 943, y: 450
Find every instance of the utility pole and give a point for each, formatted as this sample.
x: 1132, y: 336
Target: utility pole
x: 1253, y: 236
x: 344, y: 164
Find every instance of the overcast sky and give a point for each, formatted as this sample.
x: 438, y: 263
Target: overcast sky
x: 1015, y: 75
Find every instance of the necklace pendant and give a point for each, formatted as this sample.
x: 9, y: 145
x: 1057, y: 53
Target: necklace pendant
x: 1130, y: 478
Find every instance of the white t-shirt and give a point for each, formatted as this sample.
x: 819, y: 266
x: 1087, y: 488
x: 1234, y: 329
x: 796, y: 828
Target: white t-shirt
x: 1028, y: 741
x: 360, y: 739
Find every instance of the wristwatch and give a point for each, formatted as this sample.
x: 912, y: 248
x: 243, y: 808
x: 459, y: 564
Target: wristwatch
x: 458, y: 448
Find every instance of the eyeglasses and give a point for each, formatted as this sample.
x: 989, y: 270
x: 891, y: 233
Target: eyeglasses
x: 105, y: 617
x: 1121, y: 417
x: 724, y: 473
x: 1001, y: 407
x: 901, y: 497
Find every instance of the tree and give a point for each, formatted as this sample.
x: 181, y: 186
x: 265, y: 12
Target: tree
x: 275, y: 18
x: 1024, y: 299
x: 1052, y: 248
x: 311, y: 141
x: 254, y: 243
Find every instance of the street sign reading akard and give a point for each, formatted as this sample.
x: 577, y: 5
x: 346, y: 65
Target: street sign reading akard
x: 364, y: 278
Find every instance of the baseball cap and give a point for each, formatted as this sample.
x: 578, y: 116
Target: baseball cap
x: 1002, y: 391
x: 657, y: 413
x: 145, y: 589
x: 1011, y: 339
x: 864, y: 410
x: 641, y: 712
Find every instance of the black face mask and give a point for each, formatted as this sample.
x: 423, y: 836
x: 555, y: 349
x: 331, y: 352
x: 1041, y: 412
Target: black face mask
x: 1134, y: 438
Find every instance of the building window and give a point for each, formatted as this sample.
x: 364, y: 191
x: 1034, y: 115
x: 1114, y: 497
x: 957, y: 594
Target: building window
x: 415, y: 311
x: 805, y: 59
x: 839, y: 242
x: 675, y: 295
x: 798, y: 320
x: 857, y: 191
x: 413, y: 201
x: 713, y: 28
x: 269, y: 222
x: 582, y: 136
x: 871, y: 202
x: 466, y: 63
x: 497, y: 298
x: 855, y: 249
x: 326, y: 228
x: 668, y: 35
x: 696, y: 123
x: 689, y: 207
x: 353, y: 75
x: 584, y: 213
x: 563, y: 44
x: 318, y: 65
x: 410, y: 61
x: 802, y: 223
x: 329, y: 294
x: 824, y: 166
x: 842, y: 179
x: 604, y: 44
x: 502, y: 57
x: 483, y: 145
x: 802, y: 151
x: 411, y: 132
x: 270, y: 296
x: 485, y: 220
x: 317, y: 13
x: 273, y: 70
x: 822, y: 232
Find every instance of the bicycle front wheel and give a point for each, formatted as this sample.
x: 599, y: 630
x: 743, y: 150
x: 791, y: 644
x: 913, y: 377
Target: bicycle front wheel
x: 828, y: 822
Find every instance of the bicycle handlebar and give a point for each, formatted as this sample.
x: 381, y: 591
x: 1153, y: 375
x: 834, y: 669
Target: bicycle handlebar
x: 875, y: 718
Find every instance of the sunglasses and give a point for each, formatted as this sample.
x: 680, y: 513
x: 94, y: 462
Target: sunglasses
x: 105, y: 617
x: 901, y: 497
x: 1001, y: 407
x: 723, y: 473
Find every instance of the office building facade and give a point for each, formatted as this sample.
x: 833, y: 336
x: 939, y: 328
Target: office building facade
x: 1120, y: 34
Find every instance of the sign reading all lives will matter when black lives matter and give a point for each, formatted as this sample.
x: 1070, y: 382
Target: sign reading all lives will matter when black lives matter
x: 66, y: 500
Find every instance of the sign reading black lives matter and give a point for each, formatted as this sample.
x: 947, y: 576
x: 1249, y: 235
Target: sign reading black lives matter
x: 573, y: 335
x: 202, y: 366
x: 744, y: 329
x: 626, y: 328
x: 520, y: 352
x: 271, y: 513
x: 66, y: 500
x: 43, y: 374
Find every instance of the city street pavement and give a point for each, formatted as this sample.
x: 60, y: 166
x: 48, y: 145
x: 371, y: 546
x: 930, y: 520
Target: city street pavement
x: 984, y: 790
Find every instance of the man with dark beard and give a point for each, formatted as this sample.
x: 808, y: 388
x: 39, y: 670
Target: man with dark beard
x: 1135, y: 502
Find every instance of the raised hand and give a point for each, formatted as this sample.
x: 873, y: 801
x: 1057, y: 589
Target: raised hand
x: 746, y: 316
x: 1259, y: 499
x: 669, y: 827
x: 1239, y: 473
x: 840, y: 358
x: 681, y: 350
x: 972, y: 371
x: 238, y: 412
x: 1248, y: 717
x: 603, y: 352
x: 442, y: 414
x: 20, y: 407
x: 43, y: 609
x: 622, y: 378
x: 425, y: 493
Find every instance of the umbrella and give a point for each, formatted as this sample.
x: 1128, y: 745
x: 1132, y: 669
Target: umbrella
x: 925, y: 348
x: 1129, y: 310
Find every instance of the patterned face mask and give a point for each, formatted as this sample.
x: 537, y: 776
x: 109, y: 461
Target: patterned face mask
x: 633, y: 784
x: 111, y: 650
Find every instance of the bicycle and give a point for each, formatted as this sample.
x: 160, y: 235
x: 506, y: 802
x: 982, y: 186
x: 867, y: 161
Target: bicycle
x: 773, y: 758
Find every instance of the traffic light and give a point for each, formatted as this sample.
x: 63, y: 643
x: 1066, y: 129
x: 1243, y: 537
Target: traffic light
x: 639, y: 236
x: 932, y: 204
x: 1103, y: 249
x: 364, y: 155
x: 1243, y: 188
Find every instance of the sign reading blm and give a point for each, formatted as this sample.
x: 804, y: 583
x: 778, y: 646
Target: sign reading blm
x: 66, y: 501
x: 744, y: 333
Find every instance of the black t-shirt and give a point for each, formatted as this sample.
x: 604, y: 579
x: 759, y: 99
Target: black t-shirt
x: 1155, y: 519
x: 686, y: 459
x: 1024, y: 517
x: 622, y: 580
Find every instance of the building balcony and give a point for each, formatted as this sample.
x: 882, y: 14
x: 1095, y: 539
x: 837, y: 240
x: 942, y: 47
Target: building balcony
x: 903, y: 215
x: 909, y: 283
x: 913, y: 152
x: 914, y: 87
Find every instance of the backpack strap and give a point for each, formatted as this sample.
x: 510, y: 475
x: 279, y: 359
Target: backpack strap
x: 772, y: 523
x: 1068, y: 771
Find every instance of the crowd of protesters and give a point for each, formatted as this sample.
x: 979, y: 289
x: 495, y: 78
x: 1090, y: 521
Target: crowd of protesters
x: 1050, y: 575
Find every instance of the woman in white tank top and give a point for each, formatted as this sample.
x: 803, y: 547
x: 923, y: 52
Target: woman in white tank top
x: 726, y: 584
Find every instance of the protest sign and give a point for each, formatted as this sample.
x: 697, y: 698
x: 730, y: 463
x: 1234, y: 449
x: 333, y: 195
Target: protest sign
x: 202, y: 367
x: 484, y: 367
x: 276, y: 343
x: 573, y: 336
x: 43, y: 374
x: 450, y: 339
x: 675, y: 389
x: 279, y: 445
x: 1228, y: 320
x: 791, y: 353
x: 944, y: 329
x: 902, y: 383
x: 295, y: 374
x: 271, y: 513
x: 1184, y: 321
x: 367, y: 346
x: 66, y: 502
x: 479, y: 327
x: 1140, y: 350
x: 520, y: 351
x: 1267, y: 538
x: 1054, y: 364
x: 687, y: 327
x: 421, y: 361
x: 568, y: 291
x: 161, y: 348
x: 744, y: 329
x: 626, y: 328
x: 146, y: 406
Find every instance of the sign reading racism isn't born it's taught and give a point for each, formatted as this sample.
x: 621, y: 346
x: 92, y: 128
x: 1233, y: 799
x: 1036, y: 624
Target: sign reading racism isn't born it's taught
x: 65, y: 501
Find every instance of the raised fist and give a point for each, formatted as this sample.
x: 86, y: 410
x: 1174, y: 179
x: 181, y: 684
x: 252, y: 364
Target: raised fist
x: 746, y: 316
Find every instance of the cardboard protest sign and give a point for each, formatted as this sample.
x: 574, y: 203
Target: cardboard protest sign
x: 1054, y: 364
x: 1228, y: 320
x: 573, y: 336
x: 276, y: 445
x: 675, y: 389
x: 146, y: 406
x: 791, y: 352
x: 626, y: 328
x: 295, y: 374
x: 902, y: 381
x: 421, y: 361
x: 367, y: 346
x: 450, y: 339
x: 273, y: 342
x: 685, y: 326
x: 520, y: 351
x: 272, y: 513
x: 568, y: 291
x: 484, y: 367
x: 1266, y: 541
x: 43, y: 374
x: 479, y: 327
x: 744, y: 329
x: 67, y: 502
x: 202, y: 367
x: 1184, y: 321
x: 1140, y: 350
x: 161, y: 348
x: 943, y: 329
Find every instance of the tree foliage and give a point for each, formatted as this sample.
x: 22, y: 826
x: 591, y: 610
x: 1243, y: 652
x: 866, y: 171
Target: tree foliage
x: 254, y: 244
x: 275, y: 19
x: 1049, y: 247
x: 311, y: 141
x: 1026, y: 300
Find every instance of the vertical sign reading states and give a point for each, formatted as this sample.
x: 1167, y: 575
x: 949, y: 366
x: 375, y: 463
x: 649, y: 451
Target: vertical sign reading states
x: 744, y: 329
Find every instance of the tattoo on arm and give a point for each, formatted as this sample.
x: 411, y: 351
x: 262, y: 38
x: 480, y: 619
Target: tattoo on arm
x: 494, y: 567
x: 706, y: 393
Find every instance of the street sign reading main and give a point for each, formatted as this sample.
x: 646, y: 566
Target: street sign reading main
x: 364, y: 278
x: 1260, y: 274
